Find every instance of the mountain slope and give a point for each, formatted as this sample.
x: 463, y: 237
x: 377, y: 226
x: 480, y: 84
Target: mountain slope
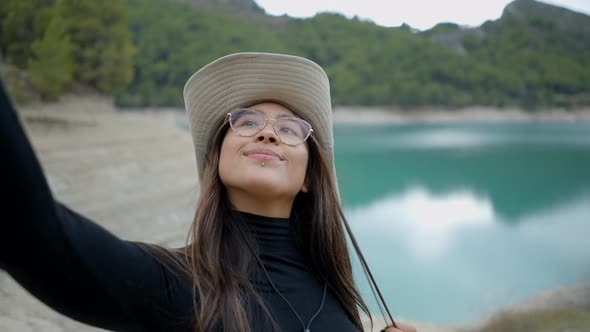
x: 535, y: 56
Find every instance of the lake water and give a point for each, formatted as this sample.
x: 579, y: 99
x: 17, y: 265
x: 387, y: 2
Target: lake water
x: 458, y: 220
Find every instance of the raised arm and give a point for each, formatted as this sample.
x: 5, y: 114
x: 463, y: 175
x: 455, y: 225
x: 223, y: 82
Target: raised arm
x: 68, y: 261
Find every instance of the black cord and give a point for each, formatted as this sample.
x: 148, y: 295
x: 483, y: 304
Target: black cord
x: 368, y: 273
x: 320, y: 309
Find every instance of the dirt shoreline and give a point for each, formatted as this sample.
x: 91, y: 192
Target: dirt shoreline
x: 382, y: 115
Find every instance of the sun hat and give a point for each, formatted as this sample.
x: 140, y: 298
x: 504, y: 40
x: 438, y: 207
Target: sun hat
x: 244, y: 79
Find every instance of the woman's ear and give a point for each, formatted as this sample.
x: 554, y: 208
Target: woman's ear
x: 304, y: 188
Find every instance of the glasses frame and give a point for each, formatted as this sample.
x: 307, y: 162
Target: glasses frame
x: 228, y: 119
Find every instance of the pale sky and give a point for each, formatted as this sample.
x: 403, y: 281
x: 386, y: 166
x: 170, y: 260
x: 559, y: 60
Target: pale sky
x: 420, y: 14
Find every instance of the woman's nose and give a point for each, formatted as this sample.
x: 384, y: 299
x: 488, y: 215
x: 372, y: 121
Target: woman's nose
x: 268, y: 133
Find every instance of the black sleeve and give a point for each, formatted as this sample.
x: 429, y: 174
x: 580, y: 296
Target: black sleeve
x: 66, y: 260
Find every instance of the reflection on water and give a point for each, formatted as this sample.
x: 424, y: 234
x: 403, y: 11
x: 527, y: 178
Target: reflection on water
x: 426, y: 220
x: 458, y: 221
x: 517, y: 175
x: 442, y: 136
x: 457, y: 262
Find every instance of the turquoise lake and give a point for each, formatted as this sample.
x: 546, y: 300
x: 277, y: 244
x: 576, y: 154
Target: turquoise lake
x: 459, y: 220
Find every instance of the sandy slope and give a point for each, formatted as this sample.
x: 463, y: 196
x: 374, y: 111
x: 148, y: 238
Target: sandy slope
x: 133, y: 174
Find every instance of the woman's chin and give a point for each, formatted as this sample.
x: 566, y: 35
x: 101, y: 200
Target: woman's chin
x: 263, y: 186
x: 260, y: 181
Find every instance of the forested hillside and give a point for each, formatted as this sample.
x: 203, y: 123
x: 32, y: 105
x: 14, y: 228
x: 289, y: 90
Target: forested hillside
x: 143, y: 51
x: 51, y: 46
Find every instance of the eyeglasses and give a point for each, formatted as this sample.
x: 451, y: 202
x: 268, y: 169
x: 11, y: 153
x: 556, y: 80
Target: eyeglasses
x: 249, y: 122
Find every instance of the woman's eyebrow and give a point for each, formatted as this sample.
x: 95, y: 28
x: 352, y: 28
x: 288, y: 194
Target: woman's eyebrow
x: 276, y: 117
x: 284, y: 115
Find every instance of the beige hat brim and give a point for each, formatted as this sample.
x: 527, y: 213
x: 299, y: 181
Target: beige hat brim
x: 242, y: 79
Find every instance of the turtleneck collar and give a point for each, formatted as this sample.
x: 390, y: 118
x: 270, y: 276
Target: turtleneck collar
x: 276, y: 247
x: 269, y: 231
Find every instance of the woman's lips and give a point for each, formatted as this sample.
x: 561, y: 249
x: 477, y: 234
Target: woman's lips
x: 262, y: 154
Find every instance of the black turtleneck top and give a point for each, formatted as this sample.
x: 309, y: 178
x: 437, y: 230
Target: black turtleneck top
x: 83, y: 271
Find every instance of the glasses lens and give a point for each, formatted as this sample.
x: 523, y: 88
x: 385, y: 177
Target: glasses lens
x: 246, y: 122
x: 292, y: 131
x: 249, y: 122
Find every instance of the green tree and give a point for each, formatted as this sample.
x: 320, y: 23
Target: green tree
x: 22, y: 22
x: 50, y: 67
x: 101, y: 43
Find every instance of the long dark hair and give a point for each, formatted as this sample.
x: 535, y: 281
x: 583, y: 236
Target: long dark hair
x: 214, y: 256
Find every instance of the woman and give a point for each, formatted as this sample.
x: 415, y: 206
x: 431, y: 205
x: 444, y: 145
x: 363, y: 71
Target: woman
x: 266, y: 250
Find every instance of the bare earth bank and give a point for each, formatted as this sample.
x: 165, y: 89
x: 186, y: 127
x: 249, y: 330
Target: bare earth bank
x: 375, y: 115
